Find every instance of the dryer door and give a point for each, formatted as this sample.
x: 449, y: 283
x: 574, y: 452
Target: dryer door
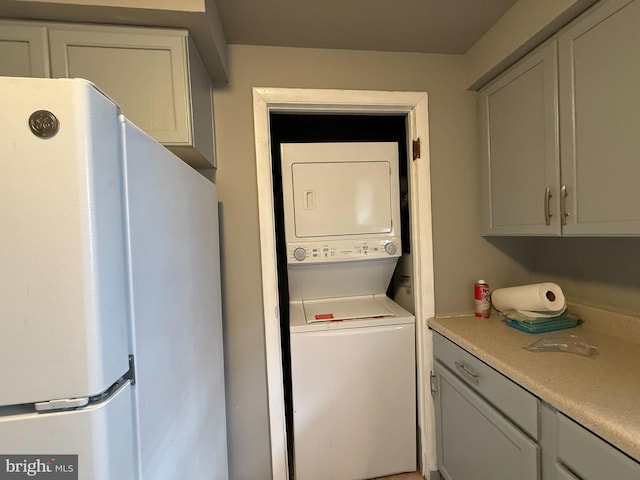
x: 332, y: 199
x: 339, y: 190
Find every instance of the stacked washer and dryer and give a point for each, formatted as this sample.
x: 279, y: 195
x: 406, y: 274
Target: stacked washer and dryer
x: 352, y: 347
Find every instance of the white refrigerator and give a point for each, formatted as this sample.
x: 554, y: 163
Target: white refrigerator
x: 110, y: 317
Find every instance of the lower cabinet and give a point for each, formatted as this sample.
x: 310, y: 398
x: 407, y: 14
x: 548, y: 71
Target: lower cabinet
x: 564, y: 474
x: 475, y: 439
x: 490, y: 428
x: 588, y: 457
x: 476, y: 442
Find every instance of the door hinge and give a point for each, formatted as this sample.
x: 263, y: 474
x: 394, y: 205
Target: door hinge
x: 416, y: 149
x: 432, y: 382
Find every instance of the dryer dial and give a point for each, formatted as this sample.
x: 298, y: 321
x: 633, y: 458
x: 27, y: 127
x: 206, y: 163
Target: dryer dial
x: 299, y: 254
x: 391, y: 248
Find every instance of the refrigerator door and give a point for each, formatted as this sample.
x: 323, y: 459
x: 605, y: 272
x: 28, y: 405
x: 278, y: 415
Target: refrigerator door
x: 63, y: 307
x: 100, y: 435
x: 175, y: 283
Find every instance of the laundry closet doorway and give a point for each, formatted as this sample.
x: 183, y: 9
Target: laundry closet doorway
x: 339, y: 115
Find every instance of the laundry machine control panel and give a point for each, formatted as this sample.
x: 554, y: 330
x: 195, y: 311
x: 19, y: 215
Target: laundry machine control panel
x: 343, y: 250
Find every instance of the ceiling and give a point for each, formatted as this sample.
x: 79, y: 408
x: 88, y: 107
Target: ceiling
x: 427, y: 26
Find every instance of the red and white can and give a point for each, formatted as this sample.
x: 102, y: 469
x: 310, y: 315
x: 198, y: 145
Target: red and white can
x: 482, y: 300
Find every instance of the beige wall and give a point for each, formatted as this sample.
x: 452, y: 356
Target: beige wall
x: 524, y: 26
x: 603, y: 272
x: 461, y: 256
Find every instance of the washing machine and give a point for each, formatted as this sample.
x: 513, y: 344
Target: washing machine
x: 353, y: 388
x: 352, y: 347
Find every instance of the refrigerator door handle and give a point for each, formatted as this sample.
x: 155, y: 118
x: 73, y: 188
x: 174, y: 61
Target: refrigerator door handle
x: 61, y: 404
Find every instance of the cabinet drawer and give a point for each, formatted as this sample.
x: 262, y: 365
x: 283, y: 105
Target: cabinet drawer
x: 508, y: 397
x: 590, y: 457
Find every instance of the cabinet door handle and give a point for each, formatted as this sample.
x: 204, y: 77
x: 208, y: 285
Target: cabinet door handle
x: 563, y: 205
x: 472, y: 376
x: 547, y: 211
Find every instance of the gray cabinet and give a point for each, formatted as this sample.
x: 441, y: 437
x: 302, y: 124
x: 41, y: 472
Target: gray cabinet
x: 23, y: 50
x: 155, y: 75
x: 519, y: 148
x: 475, y: 438
x: 600, y: 119
x: 489, y: 428
x: 589, y: 112
x: 563, y: 474
x: 588, y: 457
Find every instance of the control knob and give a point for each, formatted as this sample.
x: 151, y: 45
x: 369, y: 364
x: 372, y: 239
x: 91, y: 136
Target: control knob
x: 299, y: 254
x: 391, y: 248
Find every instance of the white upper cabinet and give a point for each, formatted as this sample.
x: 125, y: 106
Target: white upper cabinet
x: 600, y: 120
x: 23, y: 50
x: 155, y: 75
x: 519, y: 148
x: 560, y: 143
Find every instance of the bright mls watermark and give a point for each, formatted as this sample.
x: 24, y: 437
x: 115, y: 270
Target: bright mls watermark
x: 51, y: 467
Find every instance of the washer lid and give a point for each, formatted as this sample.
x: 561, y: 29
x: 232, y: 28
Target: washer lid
x: 345, y: 308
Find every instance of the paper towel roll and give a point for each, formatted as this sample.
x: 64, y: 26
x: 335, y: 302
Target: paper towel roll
x: 535, y: 300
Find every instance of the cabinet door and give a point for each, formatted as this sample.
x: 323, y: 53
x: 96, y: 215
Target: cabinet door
x: 144, y: 70
x: 563, y: 474
x: 591, y: 458
x: 474, y: 441
x: 23, y: 51
x: 600, y: 120
x: 519, y: 148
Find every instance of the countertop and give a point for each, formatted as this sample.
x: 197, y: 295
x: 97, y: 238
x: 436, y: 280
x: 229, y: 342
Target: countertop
x: 601, y: 392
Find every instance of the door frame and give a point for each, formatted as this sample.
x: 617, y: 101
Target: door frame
x: 295, y: 100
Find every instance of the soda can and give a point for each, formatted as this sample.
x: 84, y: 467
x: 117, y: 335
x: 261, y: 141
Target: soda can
x: 482, y: 300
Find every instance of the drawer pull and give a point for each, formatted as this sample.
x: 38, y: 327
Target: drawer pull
x: 472, y: 376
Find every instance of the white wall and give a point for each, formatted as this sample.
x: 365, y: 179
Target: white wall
x: 461, y: 255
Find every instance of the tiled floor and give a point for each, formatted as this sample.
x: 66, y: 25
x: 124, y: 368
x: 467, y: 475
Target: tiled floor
x: 403, y: 476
